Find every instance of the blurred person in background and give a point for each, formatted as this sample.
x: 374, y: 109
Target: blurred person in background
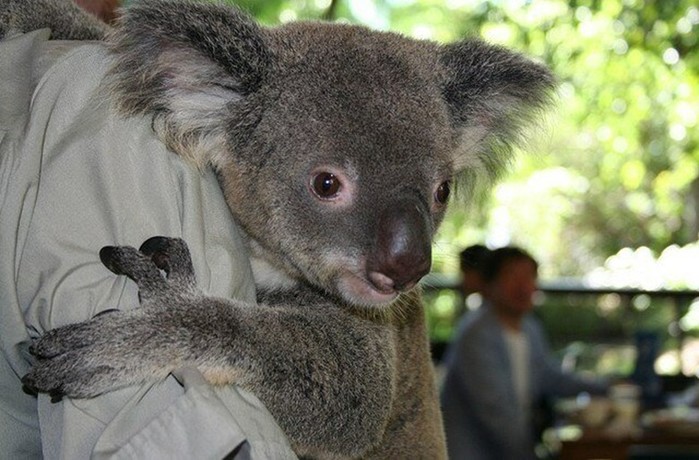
x: 499, y: 366
x: 470, y: 264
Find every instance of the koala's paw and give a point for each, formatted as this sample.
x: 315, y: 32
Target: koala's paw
x: 121, y: 348
x: 86, y: 359
x: 143, y: 266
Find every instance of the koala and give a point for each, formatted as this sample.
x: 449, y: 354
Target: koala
x: 337, y: 148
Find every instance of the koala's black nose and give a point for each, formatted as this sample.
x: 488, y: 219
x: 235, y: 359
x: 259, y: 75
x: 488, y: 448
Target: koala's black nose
x: 402, y: 252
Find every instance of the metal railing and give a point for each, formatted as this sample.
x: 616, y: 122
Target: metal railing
x: 631, y: 304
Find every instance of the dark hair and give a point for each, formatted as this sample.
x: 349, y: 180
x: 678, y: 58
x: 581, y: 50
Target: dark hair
x: 494, y: 261
x: 472, y: 257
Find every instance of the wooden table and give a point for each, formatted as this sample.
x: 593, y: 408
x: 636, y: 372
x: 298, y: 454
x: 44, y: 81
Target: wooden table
x: 577, y: 443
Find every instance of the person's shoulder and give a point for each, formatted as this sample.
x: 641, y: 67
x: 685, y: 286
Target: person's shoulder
x: 534, y: 329
x: 476, y: 324
x: 75, y: 63
x: 532, y: 323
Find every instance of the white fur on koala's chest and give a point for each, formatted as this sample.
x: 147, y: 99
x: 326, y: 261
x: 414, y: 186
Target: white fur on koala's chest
x: 267, y: 277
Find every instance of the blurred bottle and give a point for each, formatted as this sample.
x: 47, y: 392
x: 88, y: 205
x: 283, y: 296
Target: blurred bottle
x: 644, y: 375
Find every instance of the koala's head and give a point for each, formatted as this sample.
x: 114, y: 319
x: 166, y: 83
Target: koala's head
x: 336, y: 146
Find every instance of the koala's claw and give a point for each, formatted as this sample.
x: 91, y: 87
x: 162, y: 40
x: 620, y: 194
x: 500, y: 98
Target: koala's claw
x: 126, y: 260
x: 108, y: 257
x: 172, y: 256
x: 143, y: 265
x: 155, y: 244
x: 64, y: 339
x: 56, y: 395
x: 156, y: 248
x: 86, y: 359
x: 69, y: 375
x: 29, y: 386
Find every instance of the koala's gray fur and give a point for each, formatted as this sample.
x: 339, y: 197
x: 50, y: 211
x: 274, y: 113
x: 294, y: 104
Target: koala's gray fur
x: 337, y: 347
x: 66, y: 19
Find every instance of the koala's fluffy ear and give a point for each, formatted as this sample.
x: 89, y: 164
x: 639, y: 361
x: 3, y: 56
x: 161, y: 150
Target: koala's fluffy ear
x: 495, y: 96
x: 185, y: 63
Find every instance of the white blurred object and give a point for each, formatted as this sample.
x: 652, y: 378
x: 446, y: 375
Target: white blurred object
x: 626, y: 407
x: 639, y: 268
x: 596, y: 412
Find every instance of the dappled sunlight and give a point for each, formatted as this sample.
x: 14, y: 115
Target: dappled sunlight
x: 685, y: 361
x: 675, y: 268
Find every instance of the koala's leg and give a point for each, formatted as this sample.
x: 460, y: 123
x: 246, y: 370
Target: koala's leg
x: 415, y: 428
x: 325, y: 375
x: 89, y: 358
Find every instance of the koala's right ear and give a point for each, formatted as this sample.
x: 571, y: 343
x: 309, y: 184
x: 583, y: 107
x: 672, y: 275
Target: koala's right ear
x: 185, y: 63
x: 495, y: 97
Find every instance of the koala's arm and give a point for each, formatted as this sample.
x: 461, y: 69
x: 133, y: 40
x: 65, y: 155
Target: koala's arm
x: 322, y: 375
x: 326, y: 374
x: 66, y: 19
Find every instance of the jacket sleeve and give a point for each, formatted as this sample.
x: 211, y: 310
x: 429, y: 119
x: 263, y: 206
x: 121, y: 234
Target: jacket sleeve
x: 74, y: 178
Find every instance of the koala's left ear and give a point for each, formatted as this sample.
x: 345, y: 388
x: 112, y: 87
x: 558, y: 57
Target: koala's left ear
x: 187, y: 65
x: 494, y: 96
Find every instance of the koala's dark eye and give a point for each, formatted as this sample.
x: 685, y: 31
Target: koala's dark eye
x: 326, y: 185
x: 442, y: 194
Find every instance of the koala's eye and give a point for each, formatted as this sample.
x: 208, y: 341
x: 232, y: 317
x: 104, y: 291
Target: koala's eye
x: 441, y: 195
x: 326, y: 185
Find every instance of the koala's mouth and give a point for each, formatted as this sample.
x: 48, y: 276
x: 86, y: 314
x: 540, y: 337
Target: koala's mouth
x: 361, y: 291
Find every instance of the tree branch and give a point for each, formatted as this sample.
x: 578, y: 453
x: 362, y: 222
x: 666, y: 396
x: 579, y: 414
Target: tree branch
x: 331, y: 13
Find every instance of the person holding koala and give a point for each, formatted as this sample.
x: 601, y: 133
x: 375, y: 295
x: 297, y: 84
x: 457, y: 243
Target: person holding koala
x: 298, y: 174
x: 499, y: 365
x: 74, y: 177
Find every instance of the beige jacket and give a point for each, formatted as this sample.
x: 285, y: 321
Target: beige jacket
x: 74, y: 178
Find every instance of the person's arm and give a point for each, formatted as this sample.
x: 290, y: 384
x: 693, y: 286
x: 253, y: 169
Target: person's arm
x: 554, y: 381
x: 89, y: 179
